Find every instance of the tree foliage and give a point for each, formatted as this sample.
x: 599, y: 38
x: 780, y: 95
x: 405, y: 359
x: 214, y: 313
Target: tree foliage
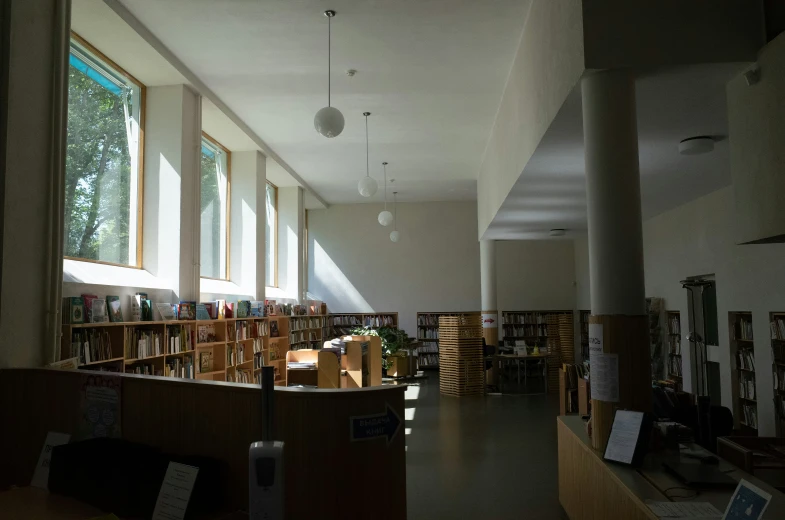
x: 98, y: 173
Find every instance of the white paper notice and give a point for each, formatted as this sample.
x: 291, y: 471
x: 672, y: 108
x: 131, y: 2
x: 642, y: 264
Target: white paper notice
x: 175, y: 492
x: 604, y: 368
x: 41, y: 475
x: 624, y: 436
x: 684, y: 510
x: 490, y: 320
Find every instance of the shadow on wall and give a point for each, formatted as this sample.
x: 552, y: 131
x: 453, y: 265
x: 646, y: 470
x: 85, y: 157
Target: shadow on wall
x: 334, y: 287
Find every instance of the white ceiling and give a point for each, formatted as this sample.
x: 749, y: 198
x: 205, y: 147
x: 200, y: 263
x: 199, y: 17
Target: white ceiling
x: 672, y: 105
x: 432, y: 73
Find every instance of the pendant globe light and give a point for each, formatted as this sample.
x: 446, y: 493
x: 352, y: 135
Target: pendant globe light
x: 367, y: 185
x: 385, y: 217
x: 395, y: 235
x: 329, y: 120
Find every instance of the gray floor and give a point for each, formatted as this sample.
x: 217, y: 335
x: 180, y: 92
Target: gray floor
x: 480, y: 457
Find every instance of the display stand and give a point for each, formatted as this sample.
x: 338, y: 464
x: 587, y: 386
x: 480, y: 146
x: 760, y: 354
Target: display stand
x: 461, y: 356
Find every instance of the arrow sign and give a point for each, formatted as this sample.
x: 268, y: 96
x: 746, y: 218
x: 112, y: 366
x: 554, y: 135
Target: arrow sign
x: 369, y: 427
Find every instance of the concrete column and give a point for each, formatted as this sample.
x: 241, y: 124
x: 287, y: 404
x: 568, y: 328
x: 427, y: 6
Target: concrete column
x: 291, y: 216
x: 490, y: 308
x: 247, y: 216
x: 261, y: 223
x: 33, y: 108
x: 172, y: 188
x: 619, y: 349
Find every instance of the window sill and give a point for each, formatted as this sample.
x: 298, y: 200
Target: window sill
x: 211, y: 286
x: 75, y: 271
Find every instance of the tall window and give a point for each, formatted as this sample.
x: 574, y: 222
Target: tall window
x: 103, y: 170
x: 271, y: 237
x: 216, y: 162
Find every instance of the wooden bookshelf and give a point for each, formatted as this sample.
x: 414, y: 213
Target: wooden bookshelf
x: 743, y: 380
x: 278, y: 346
x: 172, y: 348
x: 777, y: 328
x: 307, y: 332
x: 584, y: 317
x: 341, y: 324
x: 428, y: 337
x: 674, y: 368
x: 541, y: 329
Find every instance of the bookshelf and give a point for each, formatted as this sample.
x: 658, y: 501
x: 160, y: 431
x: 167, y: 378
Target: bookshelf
x: 674, y: 348
x: 584, y: 317
x: 341, y: 324
x: 742, y: 350
x: 278, y: 346
x: 543, y: 330
x: 307, y: 332
x: 777, y: 326
x: 428, y: 336
x: 231, y: 349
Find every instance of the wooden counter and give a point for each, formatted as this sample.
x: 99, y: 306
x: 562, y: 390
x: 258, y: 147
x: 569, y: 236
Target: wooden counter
x: 590, y: 488
x: 220, y: 420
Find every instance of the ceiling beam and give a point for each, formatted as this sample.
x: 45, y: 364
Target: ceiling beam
x: 205, y: 91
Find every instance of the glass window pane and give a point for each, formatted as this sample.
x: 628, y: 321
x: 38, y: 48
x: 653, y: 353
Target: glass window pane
x: 102, y: 161
x: 214, y: 185
x: 269, y: 237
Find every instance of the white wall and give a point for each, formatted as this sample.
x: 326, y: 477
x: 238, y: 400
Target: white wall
x: 698, y: 239
x: 354, y: 267
x: 535, y: 275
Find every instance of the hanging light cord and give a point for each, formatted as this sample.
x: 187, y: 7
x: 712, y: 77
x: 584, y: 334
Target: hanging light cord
x: 384, y: 165
x: 367, y: 163
x: 329, y: 56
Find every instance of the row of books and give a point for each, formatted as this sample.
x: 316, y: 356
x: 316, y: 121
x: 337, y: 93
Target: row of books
x: 258, y: 361
x: 431, y: 360
x: 243, y: 330
x: 205, y: 333
x: 382, y: 320
x: 235, y: 355
x: 674, y: 325
x: 540, y: 331
x: 345, y: 321
x: 750, y: 415
x: 745, y: 359
x: 145, y: 369
x: 674, y: 366
x: 428, y: 348
x: 297, y: 337
x: 428, y: 334
x: 747, y: 386
x: 777, y: 329
x: 177, y: 367
x: 743, y: 329
x: 141, y: 343
x: 89, y: 308
x: 779, y: 378
x: 241, y: 375
x: 180, y: 339
x: 428, y: 320
x: 525, y: 318
x: 91, y: 345
x: 307, y: 323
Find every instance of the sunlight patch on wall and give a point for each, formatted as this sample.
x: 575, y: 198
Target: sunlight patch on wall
x: 332, y: 280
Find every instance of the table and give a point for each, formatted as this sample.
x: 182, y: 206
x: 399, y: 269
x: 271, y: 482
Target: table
x: 500, y: 359
x: 591, y: 488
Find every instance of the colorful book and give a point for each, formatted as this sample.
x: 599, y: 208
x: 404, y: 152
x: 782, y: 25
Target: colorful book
x: 136, y: 307
x: 220, y: 309
x: 147, y: 310
x: 274, y: 329
x: 211, y: 308
x: 229, y: 310
x: 88, y: 307
x: 187, y: 310
x: 115, y: 309
x: 205, y: 362
x: 257, y: 309
x: 98, y: 312
x: 201, y: 312
x: 243, y: 309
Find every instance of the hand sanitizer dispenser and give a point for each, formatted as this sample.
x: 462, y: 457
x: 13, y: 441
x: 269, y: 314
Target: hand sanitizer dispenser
x: 265, y: 462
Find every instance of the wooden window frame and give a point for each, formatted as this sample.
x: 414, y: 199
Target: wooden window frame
x: 228, y: 153
x: 140, y: 174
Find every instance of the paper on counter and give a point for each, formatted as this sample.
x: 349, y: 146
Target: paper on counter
x: 624, y: 436
x: 175, y: 492
x: 685, y: 510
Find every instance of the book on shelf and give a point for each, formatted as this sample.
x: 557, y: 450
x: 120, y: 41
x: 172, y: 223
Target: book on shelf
x: 743, y: 329
x: 146, y: 369
x: 745, y: 359
x: 220, y: 309
x: 777, y: 327
x: 180, y: 338
x: 186, y: 310
x: 747, y: 386
x: 142, y: 343
x: 243, y: 309
x: 114, y: 308
x: 182, y: 368
x: 206, y: 361
x: 73, y: 310
x: 201, y: 312
x: 256, y: 308
x: 91, y: 345
x: 166, y: 311
x: 205, y: 333
x: 88, y: 307
x: 274, y: 329
x: 750, y: 413
x: 243, y: 376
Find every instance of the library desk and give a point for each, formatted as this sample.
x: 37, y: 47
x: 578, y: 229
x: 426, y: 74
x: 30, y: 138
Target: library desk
x: 500, y: 359
x: 590, y: 488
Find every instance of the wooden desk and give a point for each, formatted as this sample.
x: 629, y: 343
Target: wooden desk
x: 499, y: 359
x: 590, y: 488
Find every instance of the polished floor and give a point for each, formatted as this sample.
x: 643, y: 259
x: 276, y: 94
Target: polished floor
x: 480, y: 457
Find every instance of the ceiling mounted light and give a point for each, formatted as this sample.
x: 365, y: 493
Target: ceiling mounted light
x: 367, y: 185
x: 696, y: 145
x: 395, y: 235
x: 385, y: 217
x: 329, y: 121
x: 558, y: 232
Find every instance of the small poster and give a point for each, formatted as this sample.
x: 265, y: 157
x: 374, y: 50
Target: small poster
x: 490, y: 320
x: 41, y: 475
x: 604, y: 368
x: 100, y: 407
x: 748, y: 502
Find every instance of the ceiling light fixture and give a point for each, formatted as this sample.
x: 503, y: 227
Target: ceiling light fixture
x: 696, y: 145
x: 329, y: 121
x: 385, y: 217
x: 367, y: 185
x: 395, y: 235
x: 558, y: 232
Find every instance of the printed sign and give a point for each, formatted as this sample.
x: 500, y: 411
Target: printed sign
x: 175, y: 492
x: 369, y: 427
x: 490, y: 320
x: 100, y: 407
x: 41, y: 475
x: 604, y: 368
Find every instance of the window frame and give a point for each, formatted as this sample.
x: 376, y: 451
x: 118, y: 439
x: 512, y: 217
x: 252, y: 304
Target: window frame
x: 275, y: 233
x: 228, y: 153
x: 140, y: 165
